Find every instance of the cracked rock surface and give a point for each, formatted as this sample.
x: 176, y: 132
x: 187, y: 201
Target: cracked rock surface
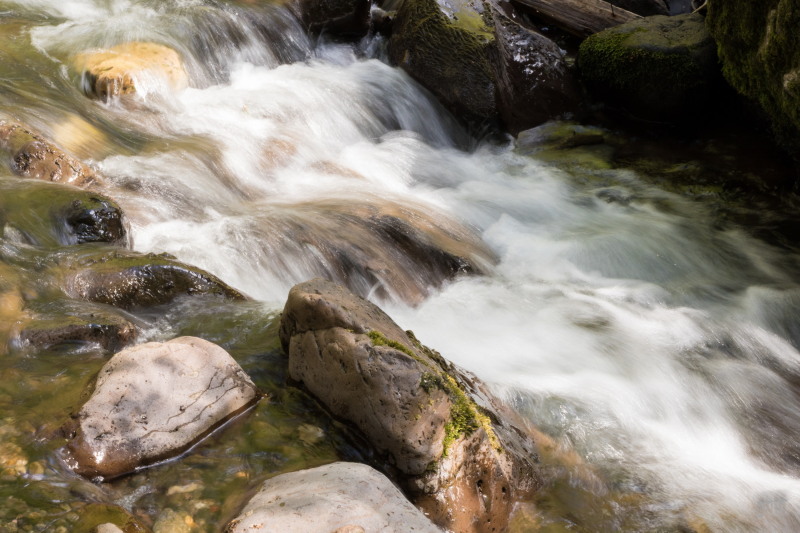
x: 334, y: 497
x: 153, y: 401
x: 457, y: 451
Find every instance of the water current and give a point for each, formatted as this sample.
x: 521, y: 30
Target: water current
x: 657, y: 344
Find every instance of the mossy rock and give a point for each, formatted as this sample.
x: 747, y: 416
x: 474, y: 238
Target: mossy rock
x: 759, y: 48
x: 448, y: 53
x: 50, y: 214
x: 657, y: 68
x: 95, y: 515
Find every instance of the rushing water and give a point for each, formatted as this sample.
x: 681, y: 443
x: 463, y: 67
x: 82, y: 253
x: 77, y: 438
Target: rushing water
x: 633, y: 325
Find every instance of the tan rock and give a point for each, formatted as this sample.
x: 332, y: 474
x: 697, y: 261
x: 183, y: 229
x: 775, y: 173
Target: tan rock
x: 33, y: 156
x: 128, y: 68
x: 458, y: 452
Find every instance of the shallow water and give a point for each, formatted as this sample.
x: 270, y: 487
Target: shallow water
x: 646, y: 330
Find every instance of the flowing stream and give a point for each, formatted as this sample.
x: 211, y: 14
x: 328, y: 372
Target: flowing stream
x: 654, y: 341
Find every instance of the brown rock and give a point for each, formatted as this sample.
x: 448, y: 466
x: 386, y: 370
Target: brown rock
x: 32, y: 156
x: 125, y: 68
x: 452, y: 444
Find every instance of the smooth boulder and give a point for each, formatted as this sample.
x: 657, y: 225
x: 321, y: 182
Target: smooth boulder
x: 659, y: 68
x: 33, y: 156
x: 482, y: 62
x: 451, y: 444
x: 336, y: 497
x: 131, y: 68
x: 152, y: 402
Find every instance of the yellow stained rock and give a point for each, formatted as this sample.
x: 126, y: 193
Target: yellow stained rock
x: 127, y: 68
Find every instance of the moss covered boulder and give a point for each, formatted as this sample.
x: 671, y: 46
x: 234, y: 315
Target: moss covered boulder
x: 449, y: 442
x: 759, y: 47
x: 658, y: 68
x: 50, y: 214
x: 482, y: 63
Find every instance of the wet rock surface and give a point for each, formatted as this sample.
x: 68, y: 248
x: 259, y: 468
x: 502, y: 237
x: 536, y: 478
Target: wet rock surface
x: 449, y: 441
x: 482, y: 63
x: 33, y: 156
x: 46, y: 214
x: 129, y: 279
x: 657, y: 68
x: 342, y: 497
x: 152, y: 402
x: 129, y: 68
x: 107, y: 518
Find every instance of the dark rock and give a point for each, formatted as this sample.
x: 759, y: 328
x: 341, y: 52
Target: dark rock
x: 339, y: 497
x: 658, y: 68
x: 47, y: 214
x: 760, y: 53
x: 129, y: 279
x: 32, y: 156
x: 154, y: 401
x: 481, y: 63
x: 94, y: 516
x: 73, y: 322
x: 345, y: 18
x: 452, y: 444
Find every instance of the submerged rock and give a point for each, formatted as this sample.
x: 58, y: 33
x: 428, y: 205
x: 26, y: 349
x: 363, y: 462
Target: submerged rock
x: 79, y: 323
x: 481, y: 63
x: 656, y: 68
x: 47, y: 214
x: 130, y: 68
x: 343, y: 497
x: 450, y: 441
x: 378, y: 246
x: 107, y: 518
x: 129, y: 279
x: 760, y: 54
x: 32, y: 156
x: 152, y: 402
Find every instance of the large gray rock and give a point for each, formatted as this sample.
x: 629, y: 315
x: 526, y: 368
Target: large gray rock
x: 336, y: 497
x: 451, y: 443
x: 152, y: 402
x: 482, y: 63
x: 33, y: 156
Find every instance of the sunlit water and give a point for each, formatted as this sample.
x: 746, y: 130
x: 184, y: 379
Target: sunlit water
x: 621, y: 319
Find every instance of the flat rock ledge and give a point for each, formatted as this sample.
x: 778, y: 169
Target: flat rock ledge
x: 455, y: 449
x: 339, y: 497
x: 154, y: 401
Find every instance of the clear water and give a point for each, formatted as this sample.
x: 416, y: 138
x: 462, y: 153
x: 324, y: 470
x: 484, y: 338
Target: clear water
x: 655, y: 343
